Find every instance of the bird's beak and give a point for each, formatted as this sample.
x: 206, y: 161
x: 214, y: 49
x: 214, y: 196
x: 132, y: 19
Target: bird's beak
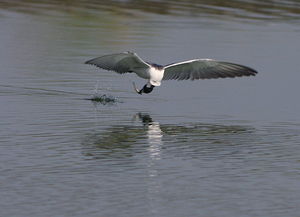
x: 137, y: 90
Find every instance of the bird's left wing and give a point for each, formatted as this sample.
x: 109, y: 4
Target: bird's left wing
x: 205, y: 69
x: 121, y: 62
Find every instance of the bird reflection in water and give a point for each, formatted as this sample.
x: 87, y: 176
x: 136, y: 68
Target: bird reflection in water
x: 144, y: 136
x: 154, y: 137
x: 122, y: 141
x: 154, y: 134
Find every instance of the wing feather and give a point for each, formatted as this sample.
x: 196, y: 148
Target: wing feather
x: 205, y: 69
x: 121, y: 62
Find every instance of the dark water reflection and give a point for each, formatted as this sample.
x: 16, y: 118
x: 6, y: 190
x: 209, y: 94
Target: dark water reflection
x: 200, y: 139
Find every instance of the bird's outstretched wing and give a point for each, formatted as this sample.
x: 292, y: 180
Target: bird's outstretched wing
x: 205, y: 69
x: 121, y: 62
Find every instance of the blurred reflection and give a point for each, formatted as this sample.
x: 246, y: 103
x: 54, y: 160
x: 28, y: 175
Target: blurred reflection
x: 253, y: 9
x: 188, y: 140
x: 154, y: 134
x: 119, y: 141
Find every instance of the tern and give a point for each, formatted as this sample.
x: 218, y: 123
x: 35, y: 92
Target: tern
x: 129, y: 62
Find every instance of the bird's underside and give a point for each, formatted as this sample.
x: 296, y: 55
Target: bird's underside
x: 196, y: 69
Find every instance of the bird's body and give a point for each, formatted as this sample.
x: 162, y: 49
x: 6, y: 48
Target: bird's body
x: 154, y: 73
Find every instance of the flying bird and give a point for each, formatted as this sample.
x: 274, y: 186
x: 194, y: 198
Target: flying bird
x: 129, y: 62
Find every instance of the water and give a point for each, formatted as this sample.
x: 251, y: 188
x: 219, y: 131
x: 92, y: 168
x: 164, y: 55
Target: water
x: 227, y: 147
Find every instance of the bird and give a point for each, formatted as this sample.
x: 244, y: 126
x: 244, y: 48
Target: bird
x: 195, y: 69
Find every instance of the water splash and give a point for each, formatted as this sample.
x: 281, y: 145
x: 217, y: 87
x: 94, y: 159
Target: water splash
x: 102, y: 98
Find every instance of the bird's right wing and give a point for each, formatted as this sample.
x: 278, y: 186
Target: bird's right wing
x: 121, y: 62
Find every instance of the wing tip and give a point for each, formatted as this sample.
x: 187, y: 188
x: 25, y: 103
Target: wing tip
x: 252, y: 72
x: 87, y: 62
x: 244, y: 70
x: 90, y: 61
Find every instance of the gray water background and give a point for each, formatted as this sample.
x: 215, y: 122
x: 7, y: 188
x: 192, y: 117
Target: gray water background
x: 225, y: 147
